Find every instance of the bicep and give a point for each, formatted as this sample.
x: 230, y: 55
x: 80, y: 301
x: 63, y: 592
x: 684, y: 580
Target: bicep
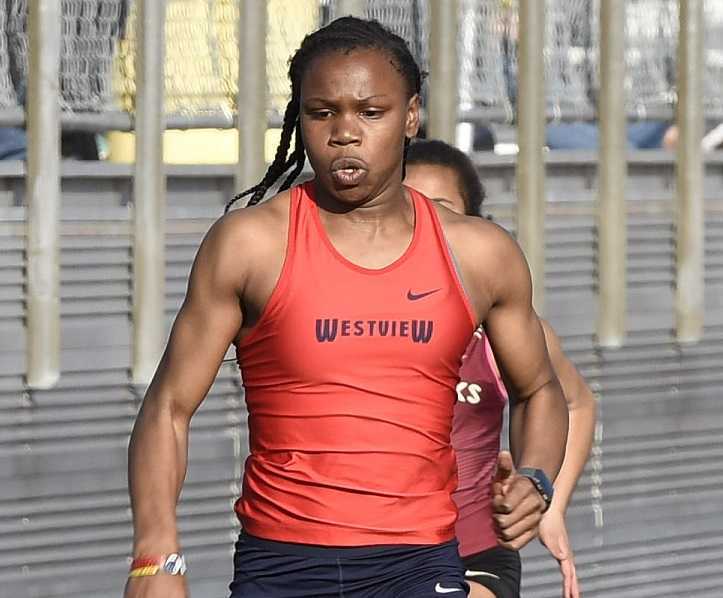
x: 514, y: 329
x: 205, y: 326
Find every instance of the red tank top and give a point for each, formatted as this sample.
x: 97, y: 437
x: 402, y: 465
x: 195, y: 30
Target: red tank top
x: 350, y: 379
x: 481, y: 398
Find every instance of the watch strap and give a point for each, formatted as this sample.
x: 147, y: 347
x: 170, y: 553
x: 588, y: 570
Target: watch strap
x: 541, y: 483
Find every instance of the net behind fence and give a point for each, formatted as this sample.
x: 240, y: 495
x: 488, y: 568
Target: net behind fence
x: 18, y: 43
x: 567, y: 57
x: 201, y: 69
x: 288, y: 23
x: 409, y: 19
x: 488, y: 57
x: 651, y: 34
x: 7, y: 90
x: 201, y: 64
x: 567, y: 54
x: 202, y: 54
x: 651, y: 29
x: 485, y: 47
x: 651, y: 46
x: 713, y: 79
x: 89, y: 32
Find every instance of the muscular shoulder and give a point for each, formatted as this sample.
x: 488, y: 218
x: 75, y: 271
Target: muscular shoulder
x: 473, y: 230
x: 488, y: 255
x: 244, y: 238
x: 255, y: 224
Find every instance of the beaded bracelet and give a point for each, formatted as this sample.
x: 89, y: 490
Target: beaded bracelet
x: 144, y: 566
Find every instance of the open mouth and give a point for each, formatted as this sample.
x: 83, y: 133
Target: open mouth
x: 348, y: 172
x: 348, y: 176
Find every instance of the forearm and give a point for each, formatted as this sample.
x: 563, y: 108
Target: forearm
x: 543, y: 430
x: 579, y: 441
x: 156, y: 469
x: 517, y: 419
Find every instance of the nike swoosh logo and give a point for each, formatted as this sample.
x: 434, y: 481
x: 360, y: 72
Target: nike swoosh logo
x: 416, y: 296
x: 442, y: 590
x: 471, y: 573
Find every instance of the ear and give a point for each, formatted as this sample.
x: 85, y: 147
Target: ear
x: 411, y: 126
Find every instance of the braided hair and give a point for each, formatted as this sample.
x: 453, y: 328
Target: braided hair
x: 342, y: 35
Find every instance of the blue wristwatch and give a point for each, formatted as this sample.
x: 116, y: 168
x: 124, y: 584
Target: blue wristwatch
x: 541, y: 483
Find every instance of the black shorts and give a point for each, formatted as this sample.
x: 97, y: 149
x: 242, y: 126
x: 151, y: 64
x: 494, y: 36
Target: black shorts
x: 267, y: 569
x: 497, y: 569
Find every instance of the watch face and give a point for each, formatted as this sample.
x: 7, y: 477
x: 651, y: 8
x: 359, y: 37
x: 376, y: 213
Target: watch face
x: 175, y: 564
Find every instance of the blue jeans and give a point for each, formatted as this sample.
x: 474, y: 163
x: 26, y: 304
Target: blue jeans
x: 644, y: 134
x: 13, y: 144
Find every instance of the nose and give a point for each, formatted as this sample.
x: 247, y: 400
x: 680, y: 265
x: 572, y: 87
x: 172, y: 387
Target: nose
x: 346, y: 131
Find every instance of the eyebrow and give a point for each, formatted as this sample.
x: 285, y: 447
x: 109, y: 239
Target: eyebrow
x: 360, y: 100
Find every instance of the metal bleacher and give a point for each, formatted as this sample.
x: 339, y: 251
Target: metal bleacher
x: 646, y: 520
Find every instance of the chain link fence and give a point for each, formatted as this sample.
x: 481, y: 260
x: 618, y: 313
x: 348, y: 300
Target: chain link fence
x: 99, y: 42
x: 201, y: 58
x: 90, y: 30
x: 8, y: 97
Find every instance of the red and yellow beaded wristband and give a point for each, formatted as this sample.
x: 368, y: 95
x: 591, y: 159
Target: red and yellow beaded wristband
x: 172, y: 564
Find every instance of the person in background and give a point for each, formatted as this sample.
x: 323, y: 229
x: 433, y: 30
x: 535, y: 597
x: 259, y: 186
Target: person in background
x: 579, y: 135
x: 446, y: 174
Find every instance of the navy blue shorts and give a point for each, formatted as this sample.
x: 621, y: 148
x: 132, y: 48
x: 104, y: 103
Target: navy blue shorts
x: 267, y: 569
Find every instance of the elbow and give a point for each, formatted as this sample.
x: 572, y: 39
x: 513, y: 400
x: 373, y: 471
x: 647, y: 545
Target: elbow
x: 580, y: 398
x: 584, y: 402
x: 590, y: 400
x: 157, y: 419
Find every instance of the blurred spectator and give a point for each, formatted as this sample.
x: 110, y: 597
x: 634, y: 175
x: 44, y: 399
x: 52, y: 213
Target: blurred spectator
x: 13, y: 143
x: 712, y: 140
x: 644, y: 134
x: 79, y: 145
x: 75, y: 145
x: 483, y: 139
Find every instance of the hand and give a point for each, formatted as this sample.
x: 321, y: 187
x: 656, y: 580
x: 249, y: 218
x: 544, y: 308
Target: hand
x: 553, y: 535
x: 516, y: 503
x: 157, y: 586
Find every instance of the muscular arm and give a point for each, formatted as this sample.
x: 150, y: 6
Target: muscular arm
x: 582, y: 410
x: 498, y: 282
x: 518, y: 342
x: 205, y: 326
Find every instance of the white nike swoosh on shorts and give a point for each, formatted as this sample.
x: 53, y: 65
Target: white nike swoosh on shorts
x: 442, y: 590
x: 471, y: 573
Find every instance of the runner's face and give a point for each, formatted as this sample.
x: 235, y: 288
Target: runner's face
x: 355, y: 115
x: 439, y: 183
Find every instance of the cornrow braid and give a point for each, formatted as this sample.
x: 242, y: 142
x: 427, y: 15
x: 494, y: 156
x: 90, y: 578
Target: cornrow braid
x: 342, y: 35
x: 299, y: 156
x: 280, y: 164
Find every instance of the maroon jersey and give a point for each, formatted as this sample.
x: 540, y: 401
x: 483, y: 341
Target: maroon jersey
x: 481, y: 398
